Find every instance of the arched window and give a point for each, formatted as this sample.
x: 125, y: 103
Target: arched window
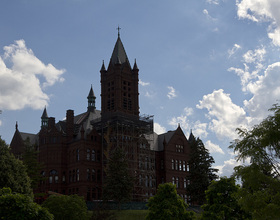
x: 180, y: 165
x: 188, y: 167
x: 172, y: 164
x: 78, y: 175
x: 92, y: 155
x: 184, y: 165
x: 177, y: 182
x: 173, y: 180
x: 53, y: 176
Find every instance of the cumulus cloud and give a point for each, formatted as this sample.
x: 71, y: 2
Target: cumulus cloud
x: 172, y: 93
x: 262, y: 11
x: 227, y: 168
x: 233, y: 50
x: 143, y: 83
x: 266, y: 92
x: 23, y: 80
x: 159, y: 129
x: 213, y: 148
x: 199, y: 129
x: 225, y: 116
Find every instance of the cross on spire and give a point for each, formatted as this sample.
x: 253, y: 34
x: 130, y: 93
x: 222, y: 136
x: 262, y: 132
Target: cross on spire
x: 118, y: 28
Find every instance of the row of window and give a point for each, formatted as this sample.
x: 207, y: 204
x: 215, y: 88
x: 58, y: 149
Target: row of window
x: 180, y: 165
x: 91, y: 155
x: 147, y: 181
x: 179, y: 148
x: 180, y: 184
x: 74, y: 176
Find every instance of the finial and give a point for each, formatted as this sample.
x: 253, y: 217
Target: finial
x: 118, y: 30
x: 16, y: 125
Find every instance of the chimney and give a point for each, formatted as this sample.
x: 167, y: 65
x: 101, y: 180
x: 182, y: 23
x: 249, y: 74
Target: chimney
x: 70, y: 124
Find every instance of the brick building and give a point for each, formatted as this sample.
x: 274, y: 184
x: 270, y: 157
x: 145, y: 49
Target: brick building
x: 72, y: 150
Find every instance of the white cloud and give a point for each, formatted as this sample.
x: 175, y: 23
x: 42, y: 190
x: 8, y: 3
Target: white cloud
x: 213, y: 148
x: 233, y: 50
x: 225, y: 116
x: 227, y: 168
x: 172, y: 93
x: 255, y: 56
x: 159, y: 129
x: 182, y: 119
x: 21, y: 84
x: 205, y: 11
x: 199, y: 129
x: 143, y: 83
x: 262, y: 11
x: 266, y: 92
x: 215, y: 2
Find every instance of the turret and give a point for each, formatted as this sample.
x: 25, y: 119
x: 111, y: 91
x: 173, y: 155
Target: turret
x: 91, y: 100
x: 44, y: 119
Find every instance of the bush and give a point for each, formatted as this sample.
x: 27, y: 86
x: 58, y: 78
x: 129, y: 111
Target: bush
x: 18, y: 206
x: 67, y: 207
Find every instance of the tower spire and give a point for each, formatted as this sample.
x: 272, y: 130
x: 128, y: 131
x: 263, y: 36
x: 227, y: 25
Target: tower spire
x: 118, y: 28
x: 91, y: 100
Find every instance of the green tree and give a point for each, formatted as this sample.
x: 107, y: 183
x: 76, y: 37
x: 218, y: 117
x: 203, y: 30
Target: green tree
x: 261, y: 144
x: 260, y: 193
x: 167, y: 205
x: 261, y: 179
x: 33, y: 167
x: 18, y: 206
x: 201, y: 173
x: 12, y: 172
x: 67, y: 207
x: 222, y: 203
x: 119, y: 182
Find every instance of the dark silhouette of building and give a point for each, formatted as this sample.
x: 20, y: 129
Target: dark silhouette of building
x: 73, y: 151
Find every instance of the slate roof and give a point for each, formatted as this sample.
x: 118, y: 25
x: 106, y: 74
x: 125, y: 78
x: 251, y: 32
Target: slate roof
x: 166, y: 136
x: 119, y: 55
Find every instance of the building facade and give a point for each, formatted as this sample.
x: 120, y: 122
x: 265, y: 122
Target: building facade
x: 74, y: 151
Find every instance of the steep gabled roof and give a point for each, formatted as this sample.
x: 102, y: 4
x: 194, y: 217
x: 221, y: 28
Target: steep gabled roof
x: 119, y: 55
x: 164, y: 137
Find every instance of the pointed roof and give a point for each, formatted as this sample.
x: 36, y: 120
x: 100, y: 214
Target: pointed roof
x: 135, y: 67
x: 119, y: 55
x: 103, y: 67
x: 91, y: 93
x: 191, y: 137
x: 45, y: 114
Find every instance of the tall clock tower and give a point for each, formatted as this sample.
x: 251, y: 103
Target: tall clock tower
x: 119, y: 85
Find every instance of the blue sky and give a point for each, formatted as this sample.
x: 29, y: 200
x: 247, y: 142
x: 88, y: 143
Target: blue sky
x: 210, y: 65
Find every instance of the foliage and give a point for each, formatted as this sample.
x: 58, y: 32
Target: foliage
x: 259, y: 194
x: 201, y: 174
x: 222, y: 201
x: 12, y: 172
x: 261, y: 144
x: 119, y: 182
x: 19, y: 206
x: 66, y: 207
x: 33, y: 167
x: 166, y: 204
